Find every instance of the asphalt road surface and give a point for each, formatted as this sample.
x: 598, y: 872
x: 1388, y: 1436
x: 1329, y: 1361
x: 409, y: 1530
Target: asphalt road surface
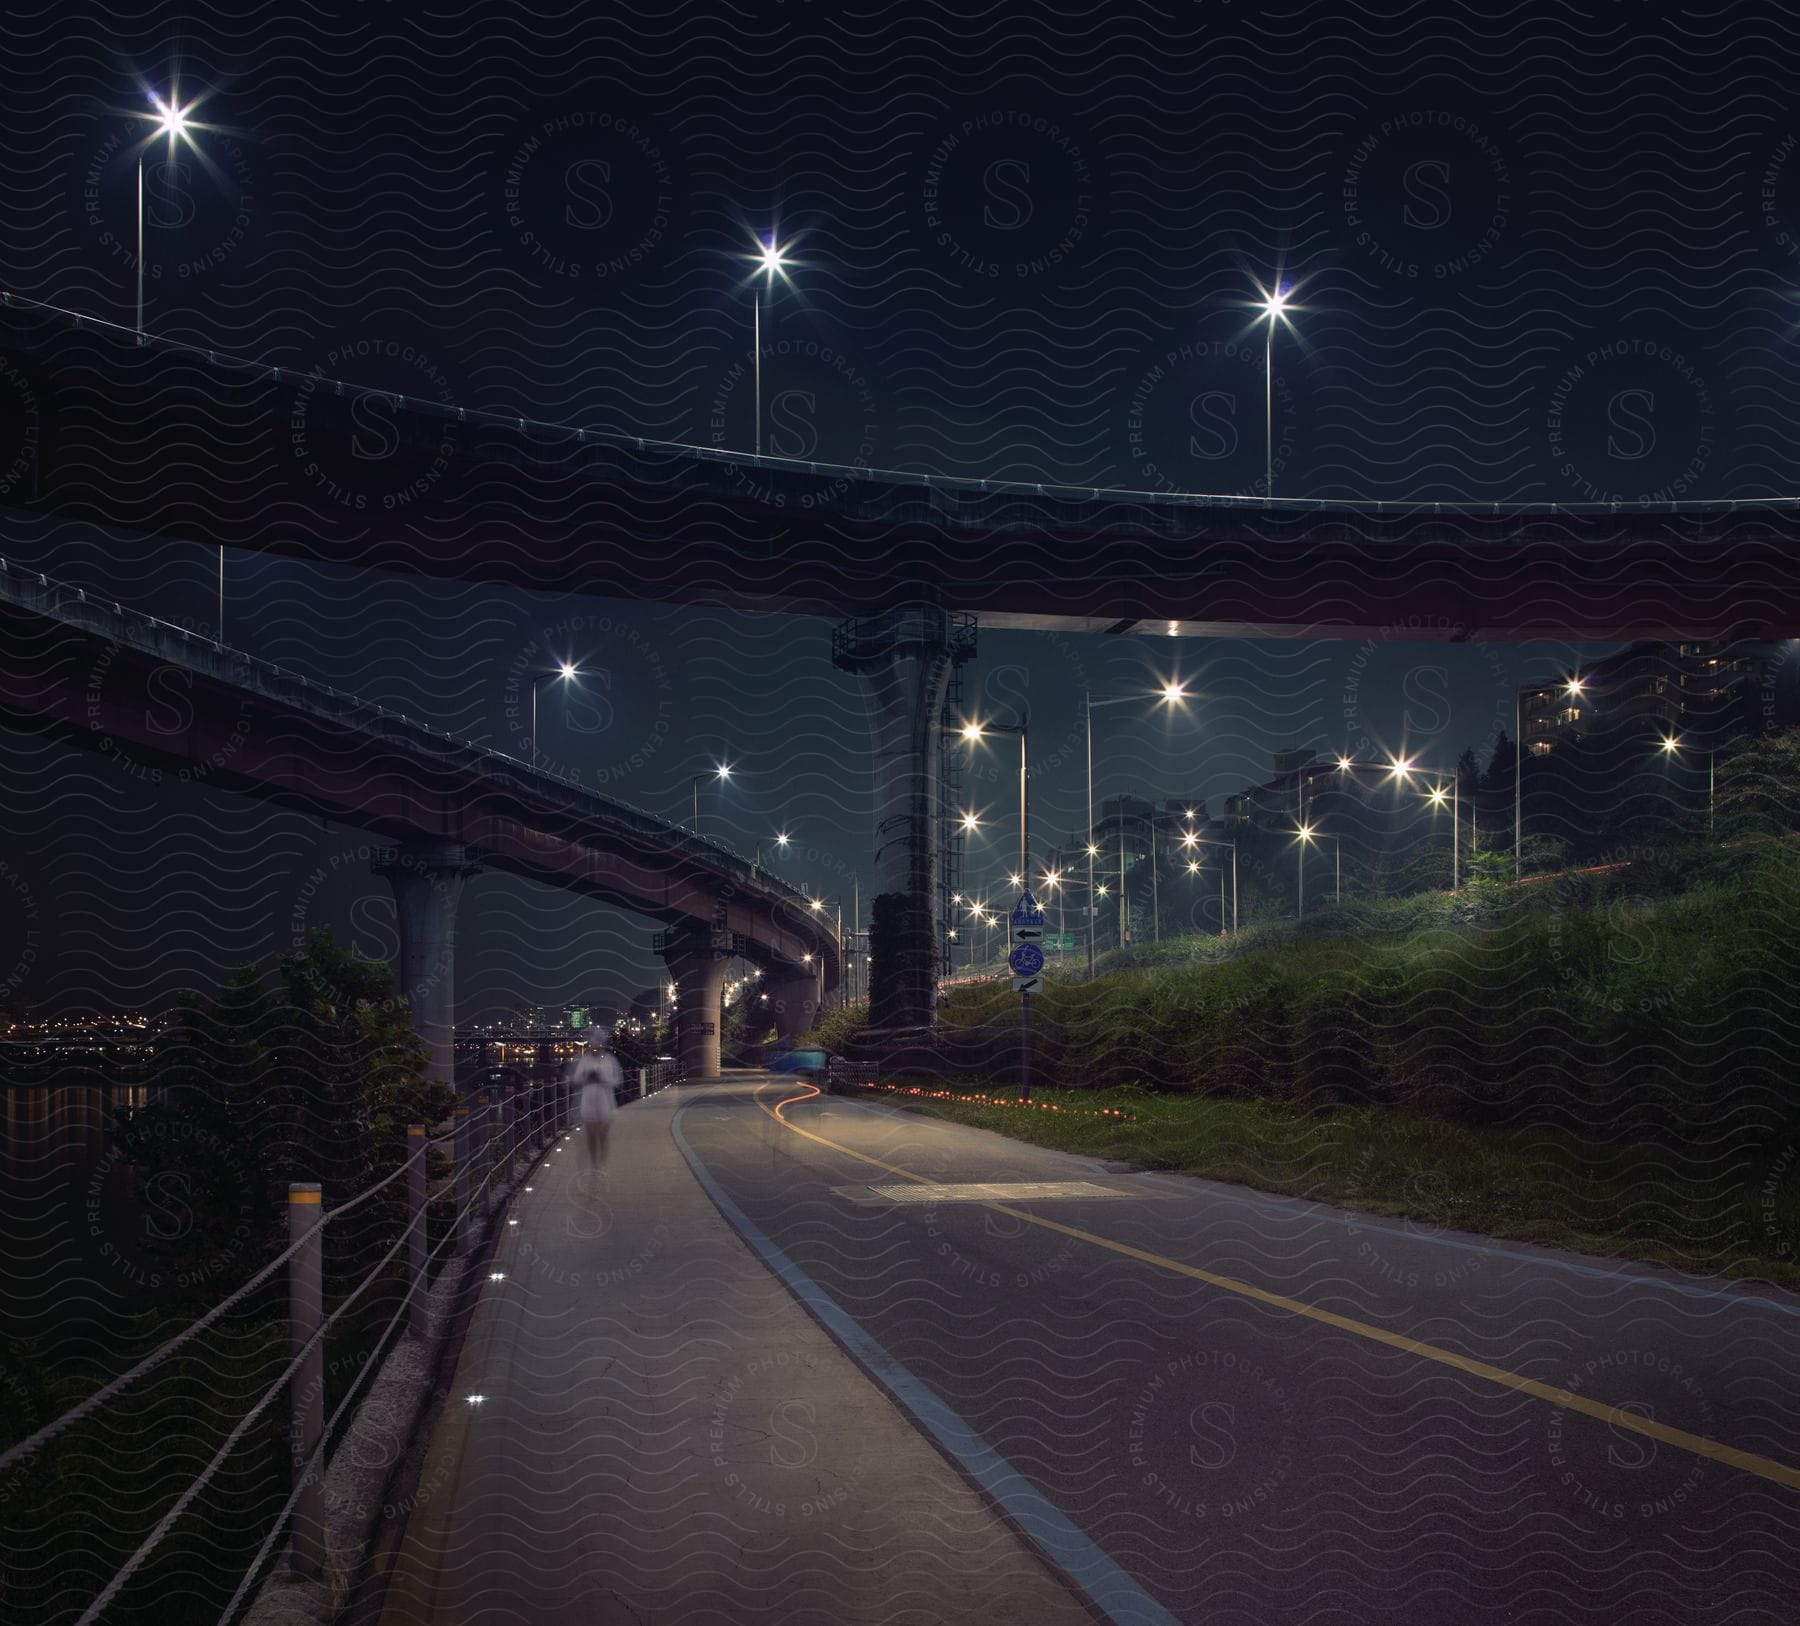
x: 778, y: 1362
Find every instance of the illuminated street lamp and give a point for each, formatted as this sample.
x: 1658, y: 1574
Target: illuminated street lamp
x: 1304, y: 835
x: 170, y: 119
x: 974, y: 733
x: 562, y: 674
x: 720, y: 773
x: 1172, y: 694
x: 1191, y: 840
x: 1437, y: 800
x: 782, y: 843
x: 769, y: 261
x: 1274, y: 307
x: 1672, y: 745
x: 1572, y: 686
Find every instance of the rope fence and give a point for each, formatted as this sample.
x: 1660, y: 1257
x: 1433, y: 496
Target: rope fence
x: 486, y: 1142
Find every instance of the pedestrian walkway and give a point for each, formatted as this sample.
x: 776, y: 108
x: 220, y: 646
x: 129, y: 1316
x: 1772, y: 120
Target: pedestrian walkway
x: 644, y: 1426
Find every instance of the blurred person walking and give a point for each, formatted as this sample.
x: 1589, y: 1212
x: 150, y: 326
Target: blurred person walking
x: 596, y: 1072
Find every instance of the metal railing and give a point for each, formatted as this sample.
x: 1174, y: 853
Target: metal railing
x: 496, y: 1135
x: 659, y: 1076
x: 134, y: 630
x: 848, y: 1075
x: 935, y: 485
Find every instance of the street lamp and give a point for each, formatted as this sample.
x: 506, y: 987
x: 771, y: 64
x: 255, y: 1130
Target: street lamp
x: 769, y: 260
x: 974, y: 733
x: 562, y: 674
x: 1437, y: 800
x: 1192, y: 840
x: 1173, y: 693
x: 1304, y: 836
x: 1572, y: 685
x: 170, y: 119
x: 1400, y: 768
x: 721, y: 773
x: 1670, y: 746
x: 782, y: 843
x: 1274, y: 308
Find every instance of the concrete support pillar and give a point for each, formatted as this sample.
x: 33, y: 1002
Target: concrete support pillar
x: 796, y: 1004
x: 905, y: 659
x: 427, y: 879
x: 698, y: 971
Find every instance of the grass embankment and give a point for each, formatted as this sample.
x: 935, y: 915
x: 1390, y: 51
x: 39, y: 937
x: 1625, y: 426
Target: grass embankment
x: 1603, y: 1062
x: 1637, y: 1201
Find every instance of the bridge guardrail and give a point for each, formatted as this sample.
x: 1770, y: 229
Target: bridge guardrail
x: 845, y: 1077
x: 491, y: 1141
x: 658, y: 1077
x: 376, y: 721
x: 936, y: 487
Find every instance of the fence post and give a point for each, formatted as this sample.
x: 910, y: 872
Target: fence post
x: 490, y: 1165
x: 418, y: 1148
x: 305, y: 1307
x: 465, y: 1178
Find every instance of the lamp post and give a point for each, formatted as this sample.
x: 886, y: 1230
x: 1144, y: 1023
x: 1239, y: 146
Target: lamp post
x: 721, y: 773
x: 1437, y: 800
x: 1053, y: 883
x: 781, y: 845
x: 1572, y: 686
x: 1274, y: 308
x: 1192, y: 840
x: 1304, y: 836
x: 974, y: 732
x: 171, y: 120
x: 1399, y: 768
x: 1172, y: 694
x: 563, y: 673
x: 769, y: 260
x: 1672, y: 744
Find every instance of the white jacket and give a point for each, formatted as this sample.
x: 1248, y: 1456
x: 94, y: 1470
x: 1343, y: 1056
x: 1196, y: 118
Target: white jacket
x: 599, y: 1076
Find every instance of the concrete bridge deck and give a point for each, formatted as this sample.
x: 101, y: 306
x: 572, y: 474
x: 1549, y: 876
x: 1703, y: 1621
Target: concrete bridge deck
x: 250, y: 454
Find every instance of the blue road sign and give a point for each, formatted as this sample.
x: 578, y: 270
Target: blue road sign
x: 1026, y: 911
x: 1027, y: 960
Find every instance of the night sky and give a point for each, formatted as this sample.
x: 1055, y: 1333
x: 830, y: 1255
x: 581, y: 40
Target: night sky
x: 1543, y: 254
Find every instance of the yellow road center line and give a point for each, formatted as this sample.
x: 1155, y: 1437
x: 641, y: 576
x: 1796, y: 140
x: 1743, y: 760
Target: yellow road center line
x: 1749, y: 1462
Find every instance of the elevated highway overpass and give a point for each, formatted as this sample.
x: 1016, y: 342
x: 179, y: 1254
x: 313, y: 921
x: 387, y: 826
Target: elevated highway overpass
x: 84, y: 667
x: 100, y: 425
x: 102, y: 429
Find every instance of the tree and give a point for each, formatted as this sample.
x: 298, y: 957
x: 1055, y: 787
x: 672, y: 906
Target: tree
x: 1502, y: 766
x: 257, y: 1088
x: 1757, y: 786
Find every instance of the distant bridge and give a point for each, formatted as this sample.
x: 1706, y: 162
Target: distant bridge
x: 175, y: 441
x: 85, y: 666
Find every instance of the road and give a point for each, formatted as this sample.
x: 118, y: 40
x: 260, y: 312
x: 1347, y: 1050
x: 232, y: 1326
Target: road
x: 765, y: 1368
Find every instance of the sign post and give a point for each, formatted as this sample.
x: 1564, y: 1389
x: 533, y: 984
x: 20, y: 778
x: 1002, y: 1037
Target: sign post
x: 1027, y: 962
